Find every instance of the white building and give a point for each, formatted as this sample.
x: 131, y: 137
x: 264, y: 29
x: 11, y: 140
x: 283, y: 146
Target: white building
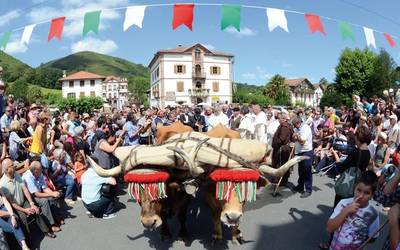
x: 301, y: 91
x: 190, y: 75
x: 318, y: 93
x: 111, y: 89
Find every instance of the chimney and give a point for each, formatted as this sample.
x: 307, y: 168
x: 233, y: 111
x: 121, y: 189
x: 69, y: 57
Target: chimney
x: 179, y: 45
x: 64, y: 73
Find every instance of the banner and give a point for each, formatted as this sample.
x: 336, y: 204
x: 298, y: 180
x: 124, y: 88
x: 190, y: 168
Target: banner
x: 314, y: 23
x: 183, y: 14
x: 56, y: 28
x: 230, y: 16
x: 276, y: 18
x: 91, y: 22
x: 134, y: 16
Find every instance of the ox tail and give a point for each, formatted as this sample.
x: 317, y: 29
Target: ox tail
x: 104, y: 172
x: 279, y: 172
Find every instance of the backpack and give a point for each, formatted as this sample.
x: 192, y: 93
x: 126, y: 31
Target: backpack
x: 345, y: 184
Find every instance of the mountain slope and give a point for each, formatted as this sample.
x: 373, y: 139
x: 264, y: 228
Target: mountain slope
x: 99, y: 64
x: 12, y: 67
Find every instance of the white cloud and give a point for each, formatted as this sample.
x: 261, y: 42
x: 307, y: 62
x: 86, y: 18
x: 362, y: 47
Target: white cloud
x: 95, y: 45
x: 245, y: 31
x: 74, y: 11
x: 259, y: 74
x: 9, y: 16
x: 14, y: 47
x: 250, y: 76
x: 209, y: 46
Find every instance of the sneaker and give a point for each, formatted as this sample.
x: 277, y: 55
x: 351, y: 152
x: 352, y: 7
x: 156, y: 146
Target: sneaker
x: 69, y: 202
x: 109, y: 216
x: 89, y: 214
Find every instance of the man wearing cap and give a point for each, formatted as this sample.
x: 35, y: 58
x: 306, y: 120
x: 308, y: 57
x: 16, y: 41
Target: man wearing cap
x: 393, y: 132
x: 235, y: 119
x: 14, y: 188
x: 303, y: 138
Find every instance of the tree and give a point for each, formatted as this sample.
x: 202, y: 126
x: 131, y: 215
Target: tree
x: 277, y: 90
x: 82, y: 105
x: 35, y: 95
x: 19, y: 89
x: 354, y: 71
x: 138, y: 86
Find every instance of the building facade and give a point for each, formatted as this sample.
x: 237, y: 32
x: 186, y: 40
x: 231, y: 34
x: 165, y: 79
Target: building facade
x: 190, y: 75
x: 111, y: 89
x: 301, y: 91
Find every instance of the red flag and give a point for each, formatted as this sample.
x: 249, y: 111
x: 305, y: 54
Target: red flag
x: 183, y: 14
x: 390, y: 39
x: 314, y: 23
x: 56, y: 28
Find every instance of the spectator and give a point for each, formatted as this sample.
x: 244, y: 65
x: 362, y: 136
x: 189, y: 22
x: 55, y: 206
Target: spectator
x: 39, y: 139
x: 146, y: 133
x: 14, y: 188
x: 97, y: 204
x: 382, y: 154
x: 132, y: 132
x: 106, y: 146
x: 16, y: 143
x: 246, y: 127
x: 43, y: 195
x: 198, y: 121
x: 5, y: 122
x: 79, y: 166
x: 61, y: 177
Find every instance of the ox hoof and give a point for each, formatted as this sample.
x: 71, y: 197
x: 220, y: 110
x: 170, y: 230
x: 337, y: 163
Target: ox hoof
x: 238, y: 241
x: 185, y: 241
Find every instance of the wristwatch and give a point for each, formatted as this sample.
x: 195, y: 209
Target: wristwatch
x: 31, y: 203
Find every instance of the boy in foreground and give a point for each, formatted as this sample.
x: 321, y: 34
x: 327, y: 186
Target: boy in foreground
x: 354, y: 219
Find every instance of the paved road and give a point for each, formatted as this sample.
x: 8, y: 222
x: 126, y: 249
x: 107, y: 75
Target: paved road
x: 285, y: 222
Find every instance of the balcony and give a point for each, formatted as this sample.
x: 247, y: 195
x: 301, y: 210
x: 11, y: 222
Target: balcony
x: 198, y: 92
x: 198, y: 75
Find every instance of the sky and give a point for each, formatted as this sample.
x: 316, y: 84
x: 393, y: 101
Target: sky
x: 259, y: 54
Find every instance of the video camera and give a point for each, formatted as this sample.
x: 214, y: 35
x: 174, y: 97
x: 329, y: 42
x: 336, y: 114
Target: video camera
x: 342, y: 146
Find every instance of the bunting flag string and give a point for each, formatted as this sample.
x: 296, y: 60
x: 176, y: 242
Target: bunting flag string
x: 91, y: 22
x: 276, y: 18
x: 56, y: 28
x: 134, y: 16
x: 230, y: 16
x: 183, y: 14
x: 314, y: 23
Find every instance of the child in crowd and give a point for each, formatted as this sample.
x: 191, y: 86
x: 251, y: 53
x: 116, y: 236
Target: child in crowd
x: 79, y: 166
x: 354, y: 219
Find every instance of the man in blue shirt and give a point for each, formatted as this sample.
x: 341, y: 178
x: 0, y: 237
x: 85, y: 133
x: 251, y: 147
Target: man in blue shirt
x: 6, y: 120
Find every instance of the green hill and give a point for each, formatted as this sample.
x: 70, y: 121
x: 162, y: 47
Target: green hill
x: 12, y: 67
x: 97, y: 63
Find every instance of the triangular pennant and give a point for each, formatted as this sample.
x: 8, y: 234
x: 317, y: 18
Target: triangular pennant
x: 314, y: 23
x: 369, y: 36
x: 276, y: 18
x: 56, y: 28
x: 346, y: 31
x: 230, y: 16
x: 183, y: 14
x: 91, y: 22
x: 134, y: 16
x: 390, y: 40
x: 4, y: 40
x: 26, y: 35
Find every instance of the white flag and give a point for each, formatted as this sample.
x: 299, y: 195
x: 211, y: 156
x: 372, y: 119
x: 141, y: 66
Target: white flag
x: 369, y: 35
x: 276, y: 18
x: 134, y: 15
x: 26, y: 35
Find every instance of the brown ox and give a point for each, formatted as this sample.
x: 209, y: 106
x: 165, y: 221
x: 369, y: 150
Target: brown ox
x: 166, y: 132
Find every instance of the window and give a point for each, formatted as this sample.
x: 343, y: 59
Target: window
x: 216, y: 86
x: 214, y: 70
x: 197, y: 54
x: 180, y: 87
x: 92, y: 82
x: 82, y: 83
x: 81, y: 94
x: 158, y: 73
x: 180, y: 69
x: 71, y: 84
x: 109, y: 95
x: 92, y: 93
x: 115, y: 87
x: 71, y: 95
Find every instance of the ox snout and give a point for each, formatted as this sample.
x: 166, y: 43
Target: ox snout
x: 231, y: 218
x: 151, y: 222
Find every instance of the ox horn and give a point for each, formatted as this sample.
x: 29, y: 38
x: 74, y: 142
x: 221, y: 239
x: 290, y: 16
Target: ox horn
x: 273, y: 172
x: 104, y: 172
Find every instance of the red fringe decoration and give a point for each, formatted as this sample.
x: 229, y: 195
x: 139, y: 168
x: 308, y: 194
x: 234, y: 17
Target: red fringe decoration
x: 234, y: 175
x: 152, y: 177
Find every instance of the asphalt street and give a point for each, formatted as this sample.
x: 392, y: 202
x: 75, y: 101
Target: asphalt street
x: 283, y: 222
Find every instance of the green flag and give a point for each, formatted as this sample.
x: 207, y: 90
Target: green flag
x: 346, y: 31
x: 5, y: 39
x: 91, y: 22
x: 230, y: 16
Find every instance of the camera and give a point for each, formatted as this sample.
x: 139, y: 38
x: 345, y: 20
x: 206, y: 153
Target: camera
x: 342, y: 146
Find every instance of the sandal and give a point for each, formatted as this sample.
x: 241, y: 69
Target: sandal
x: 324, y: 245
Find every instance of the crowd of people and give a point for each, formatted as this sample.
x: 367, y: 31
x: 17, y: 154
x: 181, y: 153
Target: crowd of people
x: 44, y: 159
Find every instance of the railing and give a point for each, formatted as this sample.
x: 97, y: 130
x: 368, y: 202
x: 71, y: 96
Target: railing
x: 199, y: 92
x: 200, y: 75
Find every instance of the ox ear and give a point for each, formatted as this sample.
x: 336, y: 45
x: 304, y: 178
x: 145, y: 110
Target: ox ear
x: 174, y: 186
x: 123, y: 152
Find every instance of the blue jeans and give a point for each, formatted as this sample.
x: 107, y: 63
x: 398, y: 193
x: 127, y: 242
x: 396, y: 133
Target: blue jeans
x: 103, y: 206
x: 305, y: 174
x: 69, y: 183
x: 6, y: 226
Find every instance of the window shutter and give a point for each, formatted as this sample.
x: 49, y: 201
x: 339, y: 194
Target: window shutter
x: 179, y: 87
x: 175, y: 69
x: 183, y: 69
x: 215, y: 87
x: 211, y: 70
x: 219, y: 70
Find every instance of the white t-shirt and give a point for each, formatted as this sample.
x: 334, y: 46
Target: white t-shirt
x: 356, y: 228
x: 216, y: 119
x: 305, y: 134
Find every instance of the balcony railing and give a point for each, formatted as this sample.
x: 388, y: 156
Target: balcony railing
x: 198, y: 75
x: 199, y: 92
